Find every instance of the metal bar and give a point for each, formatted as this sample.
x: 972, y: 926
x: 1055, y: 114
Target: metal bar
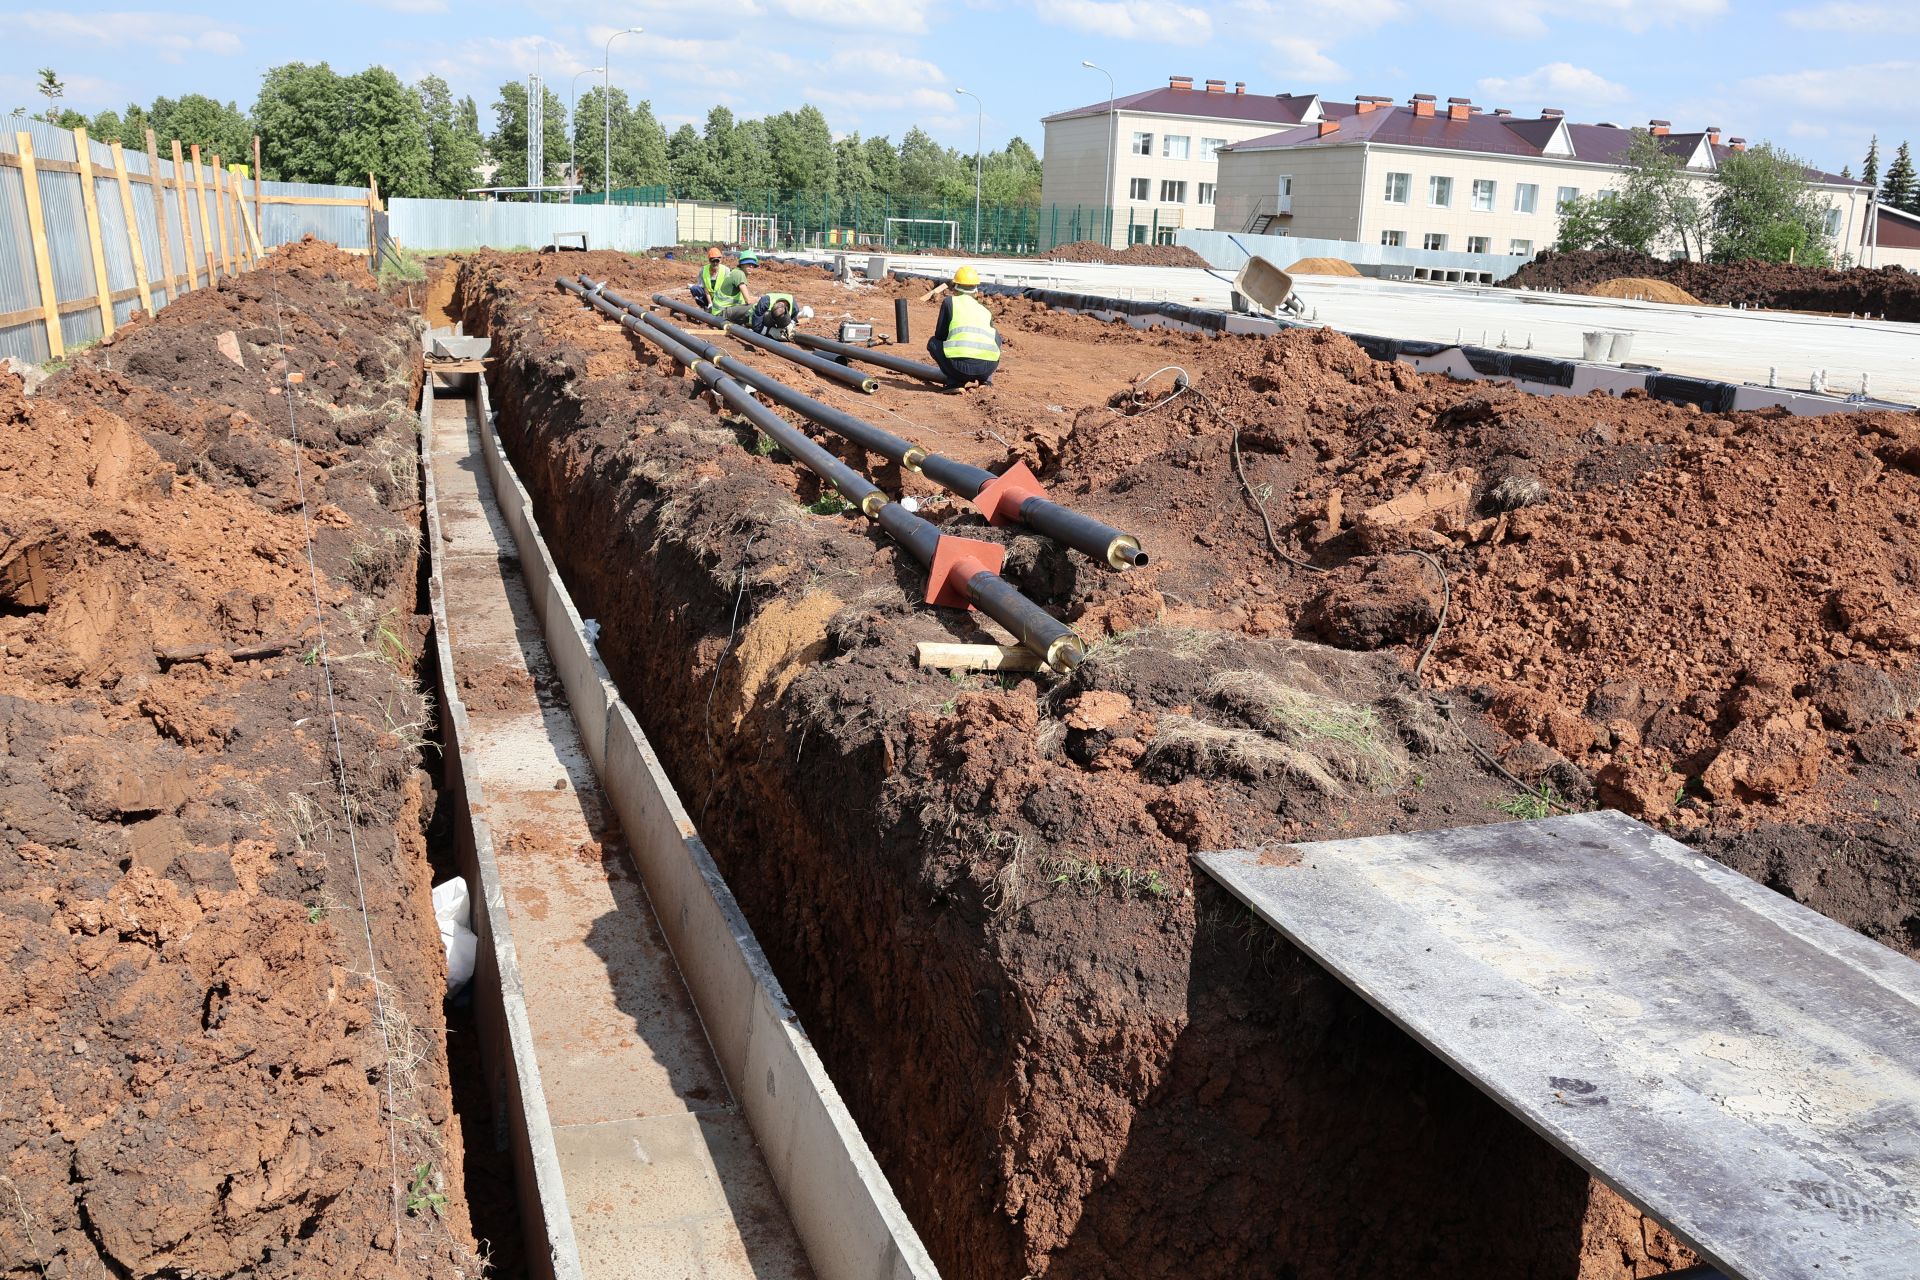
x: 819, y: 364
x: 866, y: 355
x: 1035, y: 628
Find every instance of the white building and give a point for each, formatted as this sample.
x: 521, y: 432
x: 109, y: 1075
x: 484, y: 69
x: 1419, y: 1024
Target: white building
x: 1161, y: 147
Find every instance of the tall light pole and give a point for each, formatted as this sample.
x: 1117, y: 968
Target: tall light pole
x: 606, y: 114
x: 979, y: 134
x: 573, y: 129
x: 1106, y: 197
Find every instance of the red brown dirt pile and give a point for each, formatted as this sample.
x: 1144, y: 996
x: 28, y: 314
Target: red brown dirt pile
x: 1134, y: 255
x: 1875, y: 291
x: 198, y: 1077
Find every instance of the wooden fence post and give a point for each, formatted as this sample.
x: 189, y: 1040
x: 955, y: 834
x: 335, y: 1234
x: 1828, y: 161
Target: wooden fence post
x: 256, y: 189
x: 186, y: 222
x: 220, y: 218
x: 206, y: 230
x: 160, y: 217
x: 133, y: 227
x: 42, y: 259
x: 90, y: 203
x: 373, y: 207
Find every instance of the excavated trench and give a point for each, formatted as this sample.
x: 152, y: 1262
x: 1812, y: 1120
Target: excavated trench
x: 1070, y: 1056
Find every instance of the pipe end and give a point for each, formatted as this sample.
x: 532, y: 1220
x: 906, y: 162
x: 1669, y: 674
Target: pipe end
x: 1124, y: 553
x: 1066, y: 653
x: 912, y: 459
x: 871, y: 504
x: 870, y: 386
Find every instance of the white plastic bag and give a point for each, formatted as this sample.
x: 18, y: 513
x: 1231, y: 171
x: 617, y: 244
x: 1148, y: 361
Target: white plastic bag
x: 453, y: 909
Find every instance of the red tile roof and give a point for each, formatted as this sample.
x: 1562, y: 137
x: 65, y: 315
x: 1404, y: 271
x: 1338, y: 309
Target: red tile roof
x: 1246, y: 108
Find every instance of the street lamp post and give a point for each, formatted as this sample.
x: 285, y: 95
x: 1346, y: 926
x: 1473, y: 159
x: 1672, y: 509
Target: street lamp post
x: 979, y: 134
x: 1106, y: 197
x: 573, y: 129
x: 606, y: 110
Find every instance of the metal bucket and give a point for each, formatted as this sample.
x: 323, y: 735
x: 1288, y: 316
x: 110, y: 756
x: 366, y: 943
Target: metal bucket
x: 1596, y: 344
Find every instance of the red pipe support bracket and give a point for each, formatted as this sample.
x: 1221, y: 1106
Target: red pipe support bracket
x: 955, y: 562
x: 1000, y: 498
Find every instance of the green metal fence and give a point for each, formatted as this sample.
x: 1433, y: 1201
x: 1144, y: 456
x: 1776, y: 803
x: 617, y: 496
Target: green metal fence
x: 775, y: 220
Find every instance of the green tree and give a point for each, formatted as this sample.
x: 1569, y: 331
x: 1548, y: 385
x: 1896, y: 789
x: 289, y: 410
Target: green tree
x: 883, y: 162
x: 802, y: 154
x: 929, y: 170
x: 386, y: 135
x: 1900, y: 188
x: 219, y: 130
x: 691, y: 161
x: 1870, y: 168
x: 639, y: 142
x: 453, y: 140
x: 52, y: 88
x: 852, y: 175
x: 1657, y: 203
x: 1764, y: 208
x: 507, y: 147
x: 1012, y: 175
x: 303, y: 112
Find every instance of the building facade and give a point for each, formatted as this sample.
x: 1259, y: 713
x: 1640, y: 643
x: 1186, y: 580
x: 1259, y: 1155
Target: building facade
x: 1163, y: 145
x: 1459, y: 178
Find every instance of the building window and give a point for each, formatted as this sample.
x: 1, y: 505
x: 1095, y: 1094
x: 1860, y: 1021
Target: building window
x: 1208, y: 146
x: 1206, y: 192
x: 1566, y: 196
x: 1440, y: 192
x: 1140, y: 188
x: 1483, y: 190
x: 1398, y: 184
x: 1603, y: 194
x: 1137, y: 232
x: 1833, y: 221
x: 1479, y: 244
x: 1172, y: 192
x: 1434, y: 240
x: 1526, y: 196
x: 1163, y: 235
x: 1520, y: 248
x: 1393, y: 239
x: 1174, y: 146
x: 1143, y: 144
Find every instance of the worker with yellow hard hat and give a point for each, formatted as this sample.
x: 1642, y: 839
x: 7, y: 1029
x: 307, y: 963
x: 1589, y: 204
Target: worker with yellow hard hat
x: 964, y: 343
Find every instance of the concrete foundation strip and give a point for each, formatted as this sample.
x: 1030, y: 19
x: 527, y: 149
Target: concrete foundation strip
x: 845, y: 1213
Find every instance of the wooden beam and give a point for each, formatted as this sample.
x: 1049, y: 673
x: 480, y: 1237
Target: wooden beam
x: 256, y: 189
x: 253, y: 234
x: 42, y: 258
x: 206, y: 230
x: 160, y: 218
x: 90, y: 202
x: 944, y: 656
x: 356, y: 202
x: 373, y: 207
x: 133, y: 228
x: 10, y: 318
x: 186, y: 223
x: 220, y: 217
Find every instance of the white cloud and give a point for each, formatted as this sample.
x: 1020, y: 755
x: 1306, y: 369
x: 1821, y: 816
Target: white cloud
x: 1302, y: 59
x: 886, y: 64
x: 170, y: 36
x: 1866, y: 87
x: 921, y: 101
x: 887, y: 15
x: 1130, y: 19
x: 1640, y: 15
x: 408, y: 6
x: 1801, y: 129
x: 1554, y: 84
x: 1519, y: 18
x: 1860, y: 19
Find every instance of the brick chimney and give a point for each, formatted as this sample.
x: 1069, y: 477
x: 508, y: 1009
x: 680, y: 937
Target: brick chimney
x: 1182, y: 83
x: 1423, y: 104
x: 1216, y: 86
x: 1713, y: 135
x: 1239, y: 88
x: 1659, y: 128
x: 1503, y: 112
x: 1551, y: 113
x: 1459, y: 108
x: 1327, y: 127
x: 1738, y: 144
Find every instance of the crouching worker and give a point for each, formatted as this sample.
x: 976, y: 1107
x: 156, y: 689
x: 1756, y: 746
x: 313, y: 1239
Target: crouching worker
x: 964, y: 343
x: 776, y: 314
x: 712, y: 276
x: 733, y: 302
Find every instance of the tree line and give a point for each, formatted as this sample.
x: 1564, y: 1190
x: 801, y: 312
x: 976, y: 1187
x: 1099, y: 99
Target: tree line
x: 316, y: 125
x: 1900, y: 188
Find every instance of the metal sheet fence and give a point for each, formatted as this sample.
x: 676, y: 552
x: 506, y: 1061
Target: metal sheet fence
x: 500, y: 224
x: 190, y: 224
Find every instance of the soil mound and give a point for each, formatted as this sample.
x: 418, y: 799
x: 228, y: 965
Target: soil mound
x: 1874, y: 291
x: 1134, y: 255
x: 1641, y: 289
x: 1322, y: 267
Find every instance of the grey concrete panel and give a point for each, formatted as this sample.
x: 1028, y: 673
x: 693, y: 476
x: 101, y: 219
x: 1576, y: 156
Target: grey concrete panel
x: 1744, y: 1069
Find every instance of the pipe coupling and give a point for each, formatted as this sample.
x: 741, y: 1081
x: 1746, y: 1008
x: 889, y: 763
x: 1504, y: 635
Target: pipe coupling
x: 912, y: 459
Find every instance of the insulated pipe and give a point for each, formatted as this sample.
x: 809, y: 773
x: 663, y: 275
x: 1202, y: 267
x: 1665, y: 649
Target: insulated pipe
x: 867, y: 355
x: 819, y: 364
x: 900, y: 321
x: 1084, y: 534
x: 1035, y: 628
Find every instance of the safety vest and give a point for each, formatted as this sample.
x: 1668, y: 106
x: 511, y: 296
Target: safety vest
x: 710, y: 277
x: 793, y: 308
x: 970, y: 334
x: 720, y: 294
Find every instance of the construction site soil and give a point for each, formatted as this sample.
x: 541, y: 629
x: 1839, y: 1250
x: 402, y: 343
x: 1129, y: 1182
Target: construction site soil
x: 1072, y: 1055
x: 1889, y: 291
x: 1134, y: 255
x: 226, y: 1053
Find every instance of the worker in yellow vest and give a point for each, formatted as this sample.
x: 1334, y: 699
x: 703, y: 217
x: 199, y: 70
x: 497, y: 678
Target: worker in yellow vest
x: 964, y: 343
x: 723, y: 290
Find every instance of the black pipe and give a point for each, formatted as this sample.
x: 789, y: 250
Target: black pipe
x: 900, y: 321
x: 1038, y: 630
x: 806, y: 359
x: 1090, y: 537
x: 867, y: 355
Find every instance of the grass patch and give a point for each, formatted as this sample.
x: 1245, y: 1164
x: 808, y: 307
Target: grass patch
x: 1093, y: 876
x: 402, y: 266
x: 423, y: 1191
x: 1534, y: 803
x: 829, y: 503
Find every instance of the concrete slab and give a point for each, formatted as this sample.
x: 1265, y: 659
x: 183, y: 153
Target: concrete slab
x: 1744, y: 1069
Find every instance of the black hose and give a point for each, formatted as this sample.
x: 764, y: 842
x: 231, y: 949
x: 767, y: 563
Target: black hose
x: 867, y: 355
x: 805, y: 359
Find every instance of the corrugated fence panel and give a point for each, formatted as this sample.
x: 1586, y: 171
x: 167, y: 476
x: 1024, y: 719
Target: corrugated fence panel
x: 500, y: 224
x: 19, y: 289
x: 341, y: 224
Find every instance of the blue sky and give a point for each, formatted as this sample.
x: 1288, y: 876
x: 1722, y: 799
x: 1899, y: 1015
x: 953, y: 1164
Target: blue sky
x: 1814, y: 75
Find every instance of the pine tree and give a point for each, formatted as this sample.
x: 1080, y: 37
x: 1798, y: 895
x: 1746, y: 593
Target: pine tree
x: 1901, y: 189
x: 1870, y: 170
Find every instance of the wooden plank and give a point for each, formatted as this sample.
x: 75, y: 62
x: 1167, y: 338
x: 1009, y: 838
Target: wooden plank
x: 42, y: 257
x: 90, y: 202
x: 941, y: 655
x: 10, y: 318
x: 206, y: 231
x: 220, y: 216
x: 186, y: 223
x: 355, y: 202
x: 373, y: 207
x: 253, y: 234
x: 133, y: 228
x: 256, y: 190
x: 160, y: 217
